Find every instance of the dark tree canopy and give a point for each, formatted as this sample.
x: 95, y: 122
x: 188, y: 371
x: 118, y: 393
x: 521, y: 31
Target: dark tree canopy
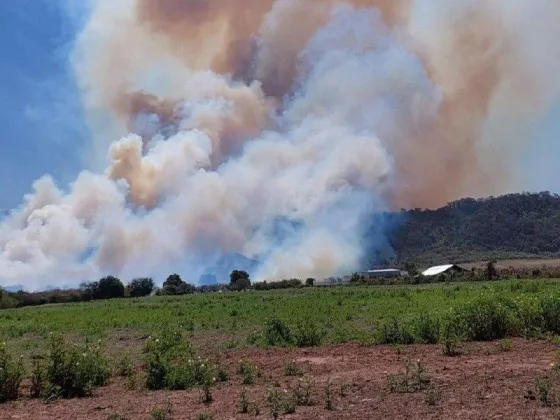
x: 141, y: 287
x: 239, y: 280
x: 110, y: 287
x: 522, y: 225
x: 174, y: 285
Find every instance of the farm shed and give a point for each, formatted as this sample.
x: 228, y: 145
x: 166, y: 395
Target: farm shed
x: 442, y: 269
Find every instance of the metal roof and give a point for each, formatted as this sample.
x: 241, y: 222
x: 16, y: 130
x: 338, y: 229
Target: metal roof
x: 438, y: 269
x: 383, y: 270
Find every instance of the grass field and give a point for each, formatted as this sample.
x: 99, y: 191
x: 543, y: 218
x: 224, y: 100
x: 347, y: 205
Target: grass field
x: 349, y: 313
x: 255, y: 341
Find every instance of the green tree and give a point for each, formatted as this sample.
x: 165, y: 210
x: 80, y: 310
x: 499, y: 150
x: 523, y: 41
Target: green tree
x: 239, y: 280
x: 174, y: 285
x: 110, y: 287
x: 141, y: 287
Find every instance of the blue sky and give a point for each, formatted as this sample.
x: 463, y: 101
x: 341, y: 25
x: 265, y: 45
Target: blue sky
x: 42, y: 130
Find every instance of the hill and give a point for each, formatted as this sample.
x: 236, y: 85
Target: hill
x: 525, y: 225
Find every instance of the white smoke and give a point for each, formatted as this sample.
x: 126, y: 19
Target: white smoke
x: 218, y: 163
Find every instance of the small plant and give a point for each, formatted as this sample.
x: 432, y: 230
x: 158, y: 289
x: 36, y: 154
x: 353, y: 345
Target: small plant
x: 124, y: 366
x: 248, y: 372
x: 222, y: 375
x: 277, y: 333
x: 302, y: 391
x: 328, y: 396
x: 413, y: 379
x: 244, y: 404
x: 204, y: 416
x: 432, y: 396
x: 38, y: 380
x: 450, y: 348
x: 131, y: 381
x: 308, y: 334
x: 116, y: 416
x: 165, y: 413
x: 73, y: 371
x: 504, y: 345
x: 274, y: 402
x: 291, y: 369
x: 11, y: 375
x: 544, y: 390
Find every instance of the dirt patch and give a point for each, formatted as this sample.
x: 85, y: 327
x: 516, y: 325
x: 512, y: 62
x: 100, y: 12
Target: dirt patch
x: 484, y: 383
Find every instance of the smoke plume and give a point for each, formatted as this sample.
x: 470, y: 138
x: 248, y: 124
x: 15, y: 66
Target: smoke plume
x: 274, y: 129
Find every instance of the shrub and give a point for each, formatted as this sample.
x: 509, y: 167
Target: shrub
x: 302, y: 391
x: 277, y: 333
x: 328, y: 396
x: 427, y: 329
x: 393, y: 332
x: 550, y: 308
x: 74, y: 371
x: 484, y: 319
x: 172, y: 364
x: 11, y: 374
x: 308, y: 334
x: 248, y: 372
x: 543, y: 386
x: 291, y: 369
x: 165, y: 413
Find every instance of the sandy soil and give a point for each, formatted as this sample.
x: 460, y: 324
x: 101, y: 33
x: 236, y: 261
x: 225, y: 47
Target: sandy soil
x: 485, y: 382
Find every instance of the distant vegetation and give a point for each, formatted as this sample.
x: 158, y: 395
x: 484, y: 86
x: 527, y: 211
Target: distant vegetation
x: 512, y: 226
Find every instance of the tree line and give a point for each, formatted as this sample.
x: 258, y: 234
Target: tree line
x: 525, y: 225
x: 111, y: 287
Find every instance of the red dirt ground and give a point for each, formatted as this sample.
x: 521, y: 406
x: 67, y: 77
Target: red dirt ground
x: 483, y: 383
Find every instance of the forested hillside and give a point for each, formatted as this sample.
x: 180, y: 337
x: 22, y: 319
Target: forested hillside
x: 510, y: 226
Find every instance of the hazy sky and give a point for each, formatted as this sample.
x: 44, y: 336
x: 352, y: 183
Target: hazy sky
x: 43, y: 131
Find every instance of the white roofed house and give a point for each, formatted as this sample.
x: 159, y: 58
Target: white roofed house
x: 443, y: 269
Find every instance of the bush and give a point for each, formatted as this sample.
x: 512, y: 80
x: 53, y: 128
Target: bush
x: 173, y: 364
x: 277, y: 333
x: 393, y: 332
x: 11, y: 374
x: 74, y: 371
x: 485, y: 319
x: 427, y: 329
x: 308, y: 334
x: 141, y: 287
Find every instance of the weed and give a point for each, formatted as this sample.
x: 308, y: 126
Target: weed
x: 308, y: 334
x: 277, y: 333
x: 11, y: 374
x: 38, y: 379
x: 291, y: 368
x: 427, y: 329
x: 450, y: 348
x: 412, y: 379
x: 124, y: 366
x: 274, y: 402
x: 222, y: 375
x: 116, y: 416
x: 432, y: 396
x: 205, y: 416
x: 74, y: 371
x: 244, y: 404
x: 302, y: 391
x: 393, y: 332
x: 328, y: 396
x: 504, y: 345
x: 248, y: 372
x: 165, y: 413
x: 544, y: 390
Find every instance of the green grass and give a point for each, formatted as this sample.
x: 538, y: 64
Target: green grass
x: 351, y: 313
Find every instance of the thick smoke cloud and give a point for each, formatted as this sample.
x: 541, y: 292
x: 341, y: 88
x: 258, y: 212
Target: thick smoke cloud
x: 274, y: 130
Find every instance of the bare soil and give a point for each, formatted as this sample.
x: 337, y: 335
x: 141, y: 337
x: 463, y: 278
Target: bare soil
x: 486, y: 382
